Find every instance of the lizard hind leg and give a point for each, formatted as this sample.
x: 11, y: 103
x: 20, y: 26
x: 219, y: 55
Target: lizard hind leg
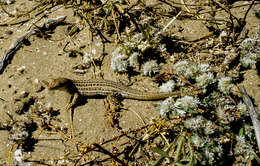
x: 69, y: 108
x: 113, y: 105
x: 113, y: 102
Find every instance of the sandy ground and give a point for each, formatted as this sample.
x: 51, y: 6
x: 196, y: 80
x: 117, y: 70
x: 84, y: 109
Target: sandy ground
x: 44, y: 59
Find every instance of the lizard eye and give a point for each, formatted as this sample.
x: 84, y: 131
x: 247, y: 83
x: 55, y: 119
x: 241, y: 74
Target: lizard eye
x: 56, y: 83
x: 51, y: 84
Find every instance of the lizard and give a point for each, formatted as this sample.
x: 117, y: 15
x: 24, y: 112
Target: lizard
x: 101, y: 87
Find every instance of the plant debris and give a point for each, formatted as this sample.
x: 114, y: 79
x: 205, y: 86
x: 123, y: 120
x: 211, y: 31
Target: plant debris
x: 183, y: 46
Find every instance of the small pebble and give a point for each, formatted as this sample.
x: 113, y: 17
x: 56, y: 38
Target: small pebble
x: 21, y: 69
x: 8, y: 32
x: 8, y: 2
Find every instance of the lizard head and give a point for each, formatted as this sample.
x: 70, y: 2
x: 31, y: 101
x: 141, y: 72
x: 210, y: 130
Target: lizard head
x: 58, y: 83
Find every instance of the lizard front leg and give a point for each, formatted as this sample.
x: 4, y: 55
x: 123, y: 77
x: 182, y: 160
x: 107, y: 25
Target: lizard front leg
x: 72, y: 101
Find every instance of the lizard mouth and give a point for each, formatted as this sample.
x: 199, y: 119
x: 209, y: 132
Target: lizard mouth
x: 45, y: 83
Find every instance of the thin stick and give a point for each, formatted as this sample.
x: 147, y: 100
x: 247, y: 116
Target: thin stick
x: 9, y: 14
x: 110, y: 154
x: 173, y: 19
x: 253, y: 114
x: 10, y: 152
x: 251, y: 5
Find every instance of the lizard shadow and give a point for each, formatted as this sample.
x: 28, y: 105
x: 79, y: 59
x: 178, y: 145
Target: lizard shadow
x: 82, y: 100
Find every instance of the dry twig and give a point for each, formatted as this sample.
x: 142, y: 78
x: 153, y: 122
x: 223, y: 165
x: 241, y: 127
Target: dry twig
x: 8, y: 55
x: 253, y: 114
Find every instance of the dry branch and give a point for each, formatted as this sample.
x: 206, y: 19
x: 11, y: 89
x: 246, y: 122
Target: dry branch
x: 8, y: 55
x: 253, y: 114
